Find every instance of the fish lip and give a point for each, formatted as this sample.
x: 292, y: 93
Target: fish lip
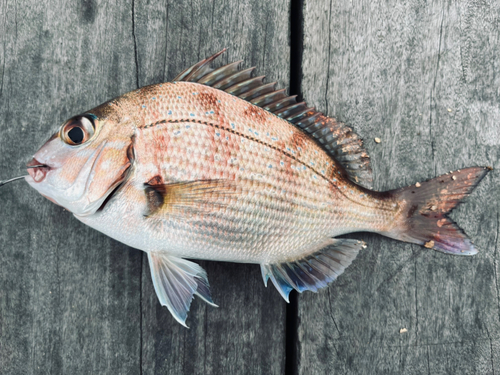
x: 38, y: 174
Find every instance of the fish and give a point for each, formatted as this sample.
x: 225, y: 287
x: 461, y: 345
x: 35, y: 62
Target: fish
x: 219, y: 165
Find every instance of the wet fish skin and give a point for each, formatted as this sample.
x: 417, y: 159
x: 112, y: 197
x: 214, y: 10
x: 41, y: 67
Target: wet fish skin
x: 278, y: 201
x: 183, y: 170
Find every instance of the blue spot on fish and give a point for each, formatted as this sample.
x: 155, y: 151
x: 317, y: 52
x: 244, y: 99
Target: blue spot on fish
x: 191, y: 114
x: 153, y: 98
x: 195, y: 93
x: 212, y: 112
x: 256, y: 133
x: 188, y: 126
x: 169, y: 112
x: 242, y: 169
x: 232, y: 125
x: 282, y: 163
x: 269, y: 166
x: 274, y: 138
x: 143, y: 106
x: 179, y: 97
x: 217, y: 134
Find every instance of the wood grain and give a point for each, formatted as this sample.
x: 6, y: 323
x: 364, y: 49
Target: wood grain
x: 246, y: 334
x: 69, y: 295
x: 423, y: 77
x: 73, y: 301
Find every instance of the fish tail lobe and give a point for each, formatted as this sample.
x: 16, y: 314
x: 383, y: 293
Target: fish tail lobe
x: 425, y: 206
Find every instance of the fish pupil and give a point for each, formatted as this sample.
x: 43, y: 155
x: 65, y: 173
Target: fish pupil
x: 76, y: 135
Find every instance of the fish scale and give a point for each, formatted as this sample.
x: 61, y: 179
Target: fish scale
x: 291, y: 198
x: 222, y: 166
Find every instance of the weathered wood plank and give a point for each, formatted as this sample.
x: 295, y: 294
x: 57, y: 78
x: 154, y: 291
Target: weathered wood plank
x: 245, y: 335
x: 72, y: 300
x: 69, y: 301
x: 392, y: 70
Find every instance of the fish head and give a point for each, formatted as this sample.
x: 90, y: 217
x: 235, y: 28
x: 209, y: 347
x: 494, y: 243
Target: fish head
x: 82, y: 163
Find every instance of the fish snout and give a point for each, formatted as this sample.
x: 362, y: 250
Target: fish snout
x: 37, y: 170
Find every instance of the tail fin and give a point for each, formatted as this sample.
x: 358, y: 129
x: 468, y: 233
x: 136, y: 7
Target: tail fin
x: 426, y: 205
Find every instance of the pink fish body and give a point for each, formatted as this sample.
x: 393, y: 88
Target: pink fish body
x: 218, y: 165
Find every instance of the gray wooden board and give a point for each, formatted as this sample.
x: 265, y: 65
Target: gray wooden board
x: 69, y: 295
x: 73, y: 301
x: 423, y: 77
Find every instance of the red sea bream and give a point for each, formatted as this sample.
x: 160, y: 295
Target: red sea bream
x: 218, y: 165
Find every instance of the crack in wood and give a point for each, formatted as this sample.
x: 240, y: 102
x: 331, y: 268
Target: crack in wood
x: 136, y: 57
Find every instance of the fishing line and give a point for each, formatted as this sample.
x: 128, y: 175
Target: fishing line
x: 2, y: 183
x: 12, y: 179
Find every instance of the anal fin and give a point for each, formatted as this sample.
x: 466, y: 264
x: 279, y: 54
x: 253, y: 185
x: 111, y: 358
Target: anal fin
x: 324, y: 264
x: 175, y: 281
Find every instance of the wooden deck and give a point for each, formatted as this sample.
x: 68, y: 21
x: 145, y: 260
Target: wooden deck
x: 424, y: 77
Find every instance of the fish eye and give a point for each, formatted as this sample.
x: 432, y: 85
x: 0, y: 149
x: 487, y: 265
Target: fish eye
x: 78, y: 130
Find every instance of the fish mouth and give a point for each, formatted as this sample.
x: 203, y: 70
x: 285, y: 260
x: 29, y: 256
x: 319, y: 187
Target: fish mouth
x: 37, y: 170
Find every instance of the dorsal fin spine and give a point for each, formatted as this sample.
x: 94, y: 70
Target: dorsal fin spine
x: 297, y: 117
x: 291, y: 109
x: 279, y: 104
x: 218, y: 74
x: 244, y: 86
x: 268, y: 98
x: 234, y: 78
x: 258, y: 91
x: 305, y: 122
x: 186, y: 74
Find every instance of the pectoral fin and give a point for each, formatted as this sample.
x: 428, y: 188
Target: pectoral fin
x: 176, y: 280
x: 190, y: 195
x: 326, y: 261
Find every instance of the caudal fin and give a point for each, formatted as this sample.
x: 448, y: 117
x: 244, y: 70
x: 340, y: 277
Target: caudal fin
x: 426, y: 205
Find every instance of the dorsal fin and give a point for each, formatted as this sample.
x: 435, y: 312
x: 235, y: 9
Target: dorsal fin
x: 336, y: 138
